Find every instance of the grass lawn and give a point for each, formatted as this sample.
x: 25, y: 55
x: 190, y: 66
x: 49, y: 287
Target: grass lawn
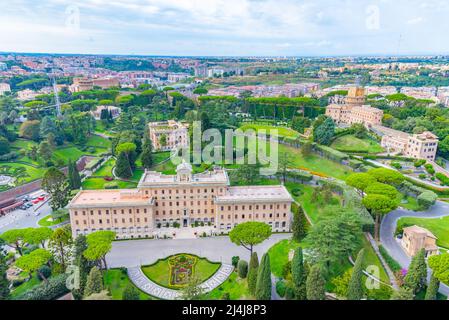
x: 372, y: 259
x: 23, y: 144
x: 236, y: 287
x: 439, y: 227
x: 116, y: 281
x: 99, y: 142
x: 137, y: 174
x: 351, y: 143
x: 315, y: 208
x: 68, y: 153
x: 316, y: 164
x: 98, y: 183
x: 33, y: 173
x: 282, y: 131
x: 160, y: 271
x: 46, y: 222
x: 34, y: 281
x: 279, y: 255
x: 410, y: 204
x: 106, y: 169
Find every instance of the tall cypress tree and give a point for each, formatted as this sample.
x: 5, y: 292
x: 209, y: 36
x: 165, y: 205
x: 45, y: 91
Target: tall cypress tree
x: 4, y: 283
x: 316, y: 284
x: 94, y: 282
x: 74, y: 176
x: 299, y: 275
x: 432, y: 289
x: 147, y: 153
x: 299, y: 225
x: 417, y: 273
x: 252, y: 273
x: 355, y: 288
x: 122, y: 166
x: 82, y: 263
x: 263, y: 286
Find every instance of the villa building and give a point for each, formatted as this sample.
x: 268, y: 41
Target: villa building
x: 416, y: 238
x: 168, y: 135
x: 112, y: 110
x: 353, y: 110
x: 185, y: 198
x: 417, y: 146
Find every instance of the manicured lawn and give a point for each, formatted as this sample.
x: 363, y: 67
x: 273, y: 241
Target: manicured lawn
x: 350, y: 143
x: 46, y: 222
x: 160, y: 156
x: 137, y: 174
x: 98, y: 183
x: 282, y: 131
x: 33, y: 173
x: 411, y: 204
x: 315, y: 208
x: 116, y: 281
x: 236, y: 287
x: 279, y: 255
x: 99, y: 142
x: 160, y: 271
x: 68, y: 153
x: 372, y: 259
x: 439, y: 227
x: 106, y: 169
x: 34, y: 281
x: 23, y: 144
x: 315, y: 163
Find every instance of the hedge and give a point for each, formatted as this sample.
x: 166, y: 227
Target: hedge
x: 331, y: 153
x: 55, y: 288
x: 393, y: 264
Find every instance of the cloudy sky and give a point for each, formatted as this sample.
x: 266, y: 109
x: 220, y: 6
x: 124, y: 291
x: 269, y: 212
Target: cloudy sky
x: 226, y: 27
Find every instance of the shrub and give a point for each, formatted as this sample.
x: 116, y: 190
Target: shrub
x: 286, y: 269
x: 393, y: 264
x: 242, y: 268
x: 53, y: 289
x: 281, y: 288
x: 235, y: 261
x: 396, y: 165
x: 443, y: 179
x: 427, y: 199
x: 430, y: 169
x: 226, y: 296
x: 45, y: 271
x: 289, y: 293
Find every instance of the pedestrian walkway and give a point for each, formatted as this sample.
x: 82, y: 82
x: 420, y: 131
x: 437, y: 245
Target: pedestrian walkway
x: 141, y: 281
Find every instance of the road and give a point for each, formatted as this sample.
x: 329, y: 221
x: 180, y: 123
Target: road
x: 133, y: 253
x: 388, y: 227
x: 20, y: 219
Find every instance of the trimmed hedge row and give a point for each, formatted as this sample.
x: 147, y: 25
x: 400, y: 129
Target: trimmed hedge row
x: 55, y: 288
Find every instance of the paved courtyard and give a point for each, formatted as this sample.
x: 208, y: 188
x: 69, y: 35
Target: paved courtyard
x: 135, y: 253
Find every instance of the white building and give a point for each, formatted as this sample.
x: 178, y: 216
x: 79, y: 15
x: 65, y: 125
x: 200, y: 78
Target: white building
x: 4, y: 88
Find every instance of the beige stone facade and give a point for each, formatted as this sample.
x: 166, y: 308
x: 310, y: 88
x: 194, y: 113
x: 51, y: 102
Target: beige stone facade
x: 353, y: 110
x: 163, y: 200
x: 168, y: 135
x: 416, y: 238
x: 418, y: 146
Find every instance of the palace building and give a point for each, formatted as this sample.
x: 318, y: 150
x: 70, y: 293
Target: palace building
x: 185, y: 198
x: 353, y: 110
x: 167, y: 135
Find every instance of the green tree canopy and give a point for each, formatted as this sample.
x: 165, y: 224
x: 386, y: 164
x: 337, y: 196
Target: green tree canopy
x: 33, y: 261
x: 249, y: 234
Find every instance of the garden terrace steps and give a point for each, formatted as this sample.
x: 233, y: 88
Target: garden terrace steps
x: 141, y: 281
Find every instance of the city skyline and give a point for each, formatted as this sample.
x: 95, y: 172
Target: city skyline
x: 225, y: 28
